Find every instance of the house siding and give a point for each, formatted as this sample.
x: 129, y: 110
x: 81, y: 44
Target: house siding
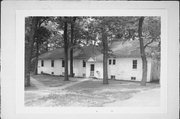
x: 79, y: 70
x: 98, y: 69
x: 122, y: 70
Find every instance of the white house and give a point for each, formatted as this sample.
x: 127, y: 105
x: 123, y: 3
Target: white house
x: 124, y: 64
x: 53, y: 62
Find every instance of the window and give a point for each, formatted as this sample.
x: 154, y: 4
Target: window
x: 114, y: 61
x: 133, y: 78
x: 42, y: 63
x: 84, y: 63
x: 112, y: 76
x: 92, y: 67
x: 52, y: 63
x: 62, y: 63
x: 134, y: 64
x: 110, y: 62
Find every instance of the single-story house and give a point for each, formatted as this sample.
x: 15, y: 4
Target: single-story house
x: 124, y: 63
x: 52, y: 62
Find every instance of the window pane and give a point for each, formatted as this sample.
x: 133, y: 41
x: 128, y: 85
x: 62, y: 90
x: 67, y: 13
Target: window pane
x: 133, y: 78
x: 84, y: 63
x: 109, y: 61
x: 134, y: 64
x: 114, y: 61
x: 52, y: 63
x: 42, y: 63
x: 62, y: 63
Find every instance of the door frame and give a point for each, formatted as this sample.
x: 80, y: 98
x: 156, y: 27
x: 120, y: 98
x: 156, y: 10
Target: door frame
x: 92, y: 70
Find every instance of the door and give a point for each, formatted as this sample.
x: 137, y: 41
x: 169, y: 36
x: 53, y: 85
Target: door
x: 92, y: 70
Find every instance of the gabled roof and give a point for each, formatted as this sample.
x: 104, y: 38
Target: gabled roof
x: 79, y: 53
x: 122, y: 53
x: 129, y: 49
x: 126, y: 49
x: 87, y: 52
x: 54, y: 54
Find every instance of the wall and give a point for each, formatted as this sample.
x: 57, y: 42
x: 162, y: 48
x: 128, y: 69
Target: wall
x: 57, y: 69
x: 155, y: 70
x: 122, y: 69
x: 98, y: 69
x: 79, y: 70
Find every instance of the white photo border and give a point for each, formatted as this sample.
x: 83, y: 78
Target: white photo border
x: 12, y: 57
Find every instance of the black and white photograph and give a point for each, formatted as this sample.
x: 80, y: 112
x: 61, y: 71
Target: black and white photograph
x: 89, y: 59
x: 92, y: 61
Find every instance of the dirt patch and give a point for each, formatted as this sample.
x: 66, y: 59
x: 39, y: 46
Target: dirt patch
x: 30, y: 88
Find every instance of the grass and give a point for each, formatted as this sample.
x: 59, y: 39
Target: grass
x: 32, y: 87
x: 90, y: 93
x: 53, y: 81
x: 96, y: 85
x: 81, y: 99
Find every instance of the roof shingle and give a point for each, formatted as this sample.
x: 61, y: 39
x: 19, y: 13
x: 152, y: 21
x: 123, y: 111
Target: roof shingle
x: 123, y: 50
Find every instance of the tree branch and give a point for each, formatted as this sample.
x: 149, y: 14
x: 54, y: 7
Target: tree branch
x: 148, y: 43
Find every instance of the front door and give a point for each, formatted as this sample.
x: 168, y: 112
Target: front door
x: 92, y: 70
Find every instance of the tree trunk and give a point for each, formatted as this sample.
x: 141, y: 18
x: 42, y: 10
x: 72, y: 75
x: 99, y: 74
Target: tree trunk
x: 28, y: 52
x: 36, y: 59
x: 143, y: 55
x: 27, y: 65
x: 105, y: 57
x: 71, y: 63
x: 66, y: 78
x: 71, y: 50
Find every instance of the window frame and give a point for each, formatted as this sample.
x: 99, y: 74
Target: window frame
x: 133, y: 78
x: 42, y: 63
x: 113, y: 77
x: 84, y: 63
x: 110, y: 62
x: 63, y: 63
x: 52, y: 63
x: 134, y: 64
x: 114, y: 62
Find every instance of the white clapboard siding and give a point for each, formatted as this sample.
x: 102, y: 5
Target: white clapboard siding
x: 78, y: 69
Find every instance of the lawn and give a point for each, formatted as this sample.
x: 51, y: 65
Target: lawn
x: 53, y: 81
x: 89, y: 93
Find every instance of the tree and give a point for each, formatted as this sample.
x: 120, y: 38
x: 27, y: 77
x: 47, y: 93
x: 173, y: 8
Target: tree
x: 30, y: 29
x: 41, y: 35
x: 105, y: 56
x: 147, y: 35
x: 142, y: 50
x: 35, y: 35
x: 66, y: 44
x: 72, y: 43
x: 96, y: 30
x: 103, y: 31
